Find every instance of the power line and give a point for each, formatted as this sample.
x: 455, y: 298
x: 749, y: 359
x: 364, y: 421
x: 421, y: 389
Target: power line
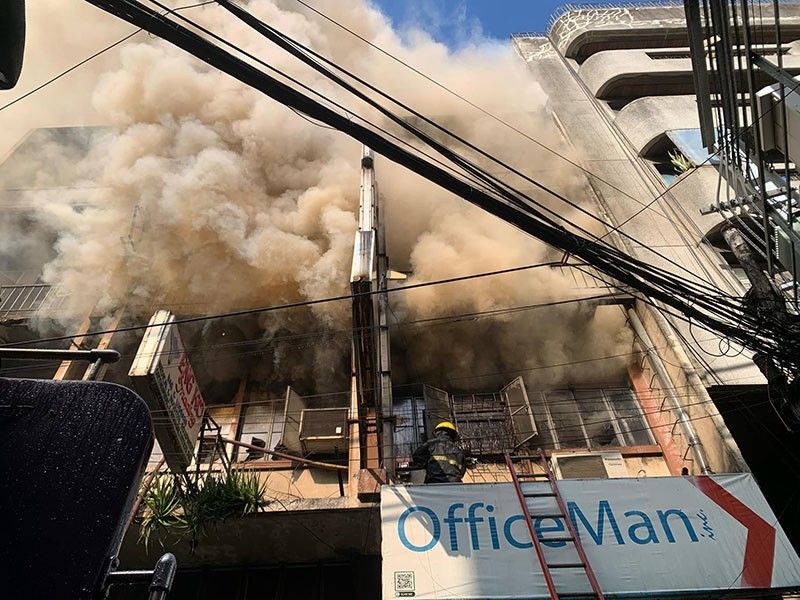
x: 210, y: 2
x: 313, y: 58
x: 72, y: 68
x: 647, y: 206
x: 301, y: 304
x: 92, y: 57
x: 429, y: 321
x: 704, y: 303
x: 473, y: 105
x: 473, y: 170
x: 167, y: 10
x: 349, y: 88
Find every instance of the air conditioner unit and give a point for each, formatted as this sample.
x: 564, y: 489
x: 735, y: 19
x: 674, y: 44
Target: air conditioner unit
x: 324, y: 430
x: 589, y: 465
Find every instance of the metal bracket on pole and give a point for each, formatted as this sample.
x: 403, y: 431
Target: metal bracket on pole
x: 96, y: 356
x: 774, y: 71
x: 160, y: 578
x: 748, y: 201
x: 109, y: 356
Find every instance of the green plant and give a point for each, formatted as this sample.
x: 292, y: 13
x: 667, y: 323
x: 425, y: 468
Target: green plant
x: 161, y: 503
x: 218, y: 498
x: 680, y: 162
x: 209, y: 502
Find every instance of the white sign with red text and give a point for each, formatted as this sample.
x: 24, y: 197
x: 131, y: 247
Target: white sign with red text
x: 643, y: 537
x: 162, y: 375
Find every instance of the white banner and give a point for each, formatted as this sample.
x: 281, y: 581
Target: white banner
x: 653, y: 536
x: 162, y: 375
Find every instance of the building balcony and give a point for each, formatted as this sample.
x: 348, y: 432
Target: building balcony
x: 581, y: 31
x: 646, y: 121
x: 621, y: 76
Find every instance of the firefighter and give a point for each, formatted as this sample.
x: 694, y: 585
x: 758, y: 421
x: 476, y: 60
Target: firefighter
x: 441, y: 457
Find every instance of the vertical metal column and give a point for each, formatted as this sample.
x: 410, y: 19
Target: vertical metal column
x: 371, y: 324
x: 700, y: 71
x: 787, y: 173
x: 725, y: 73
x: 383, y: 361
x: 682, y: 417
x: 751, y: 80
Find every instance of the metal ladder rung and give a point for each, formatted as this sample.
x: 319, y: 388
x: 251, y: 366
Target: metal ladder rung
x: 526, y: 457
x: 548, y: 516
x: 579, y: 565
x: 557, y: 539
x: 539, y: 494
x: 531, y: 475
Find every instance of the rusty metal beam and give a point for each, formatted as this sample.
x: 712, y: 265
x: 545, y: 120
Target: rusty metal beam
x: 304, y: 461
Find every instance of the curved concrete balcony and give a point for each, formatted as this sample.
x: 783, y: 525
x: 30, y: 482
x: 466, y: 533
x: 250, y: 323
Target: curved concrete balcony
x: 621, y: 76
x: 645, y: 121
x: 583, y: 32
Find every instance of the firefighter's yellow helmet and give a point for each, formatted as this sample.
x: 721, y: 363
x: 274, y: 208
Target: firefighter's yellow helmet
x: 447, y: 425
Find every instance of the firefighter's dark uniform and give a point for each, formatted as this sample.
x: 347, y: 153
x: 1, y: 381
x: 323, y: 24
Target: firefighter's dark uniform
x: 442, y: 458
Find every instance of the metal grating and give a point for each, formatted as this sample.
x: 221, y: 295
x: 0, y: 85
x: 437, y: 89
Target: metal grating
x: 19, y: 302
x: 409, y: 426
x: 484, y: 424
x: 324, y: 422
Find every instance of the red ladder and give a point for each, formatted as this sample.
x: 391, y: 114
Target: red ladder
x: 583, y: 562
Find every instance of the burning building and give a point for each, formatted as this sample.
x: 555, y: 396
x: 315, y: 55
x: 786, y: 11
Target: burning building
x: 330, y: 326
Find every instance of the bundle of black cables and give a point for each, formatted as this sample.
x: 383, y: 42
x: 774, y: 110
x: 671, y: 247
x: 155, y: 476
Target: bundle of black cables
x: 689, y: 299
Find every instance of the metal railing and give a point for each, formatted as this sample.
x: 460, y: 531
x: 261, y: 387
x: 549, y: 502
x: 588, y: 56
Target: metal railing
x: 573, y: 6
x: 23, y: 300
x: 565, y: 8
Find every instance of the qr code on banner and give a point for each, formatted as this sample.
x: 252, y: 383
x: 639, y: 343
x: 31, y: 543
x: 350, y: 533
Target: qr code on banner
x: 404, y: 583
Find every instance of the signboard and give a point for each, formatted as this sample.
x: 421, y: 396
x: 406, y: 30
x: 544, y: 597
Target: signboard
x: 654, y: 536
x: 162, y: 375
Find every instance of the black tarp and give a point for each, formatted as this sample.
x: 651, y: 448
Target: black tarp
x: 771, y: 450
x: 71, y: 458
x: 12, y: 41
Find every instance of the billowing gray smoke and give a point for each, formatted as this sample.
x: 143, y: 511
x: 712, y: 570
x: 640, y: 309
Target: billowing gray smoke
x: 208, y: 197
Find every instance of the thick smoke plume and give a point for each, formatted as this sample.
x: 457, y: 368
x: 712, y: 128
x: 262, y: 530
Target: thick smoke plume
x: 207, y: 196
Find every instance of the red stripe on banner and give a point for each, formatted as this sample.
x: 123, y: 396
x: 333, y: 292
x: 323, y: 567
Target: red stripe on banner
x: 759, y: 552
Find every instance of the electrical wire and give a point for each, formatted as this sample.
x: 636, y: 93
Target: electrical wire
x: 203, y: 4
x: 198, y: 351
x: 714, y: 311
x: 291, y: 305
x: 92, y: 57
x: 479, y: 108
x: 426, y: 140
x: 213, y: 55
x: 314, y: 60
x: 402, y: 123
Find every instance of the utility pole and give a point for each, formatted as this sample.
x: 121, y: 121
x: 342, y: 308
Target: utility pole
x: 371, y: 348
